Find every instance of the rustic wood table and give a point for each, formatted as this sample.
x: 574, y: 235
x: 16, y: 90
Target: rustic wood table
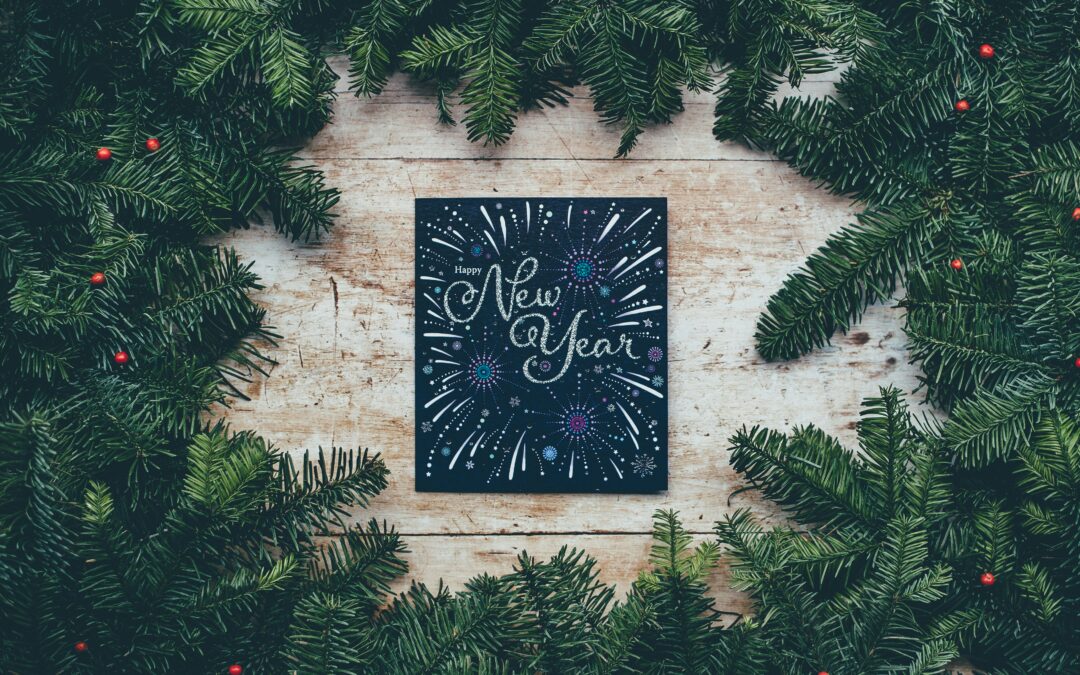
x: 740, y: 221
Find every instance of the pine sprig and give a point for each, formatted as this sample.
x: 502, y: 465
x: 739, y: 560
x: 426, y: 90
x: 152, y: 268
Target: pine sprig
x: 854, y: 269
x: 858, y: 592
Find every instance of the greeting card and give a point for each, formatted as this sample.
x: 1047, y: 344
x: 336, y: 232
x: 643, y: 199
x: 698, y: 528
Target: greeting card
x: 541, y: 345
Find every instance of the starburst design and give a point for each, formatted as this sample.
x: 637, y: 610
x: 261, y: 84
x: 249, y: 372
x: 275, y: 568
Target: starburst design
x: 643, y: 465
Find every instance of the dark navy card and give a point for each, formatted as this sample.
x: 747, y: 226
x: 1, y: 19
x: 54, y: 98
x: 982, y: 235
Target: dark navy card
x: 541, y: 345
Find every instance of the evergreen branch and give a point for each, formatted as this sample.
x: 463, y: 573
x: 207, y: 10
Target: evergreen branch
x: 1049, y: 467
x: 885, y: 437
x: 285, y: 65
x: 444, y: 47
x: 560, y: 598
x: 314, y: 497
x: 299, y: 201
x: 1037, y: 588
x: 359, y: 566
x: 853, y: 269
x: 1055, y: 170
x: 994, y: 547
x: 218, y: 15
x: 760, y: 566
x: 438, y: 631
x: 369, y: 43
x: 490, y: 94
x: 619, y: 639
x: 991, y: 425
x: 807, y: 472
x: 328, y: 636
x: 827, y: 555
x: 213, y: 60
x: 617, y: 84
x: 560, y: 32
x: 675, y: 590
x: 240, y: 590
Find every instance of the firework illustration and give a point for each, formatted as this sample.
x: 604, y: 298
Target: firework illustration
x: 541, y: 340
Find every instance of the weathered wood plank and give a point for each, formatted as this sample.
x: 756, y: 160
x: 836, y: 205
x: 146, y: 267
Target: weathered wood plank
x: 736, y: 228
x: 401, y: 123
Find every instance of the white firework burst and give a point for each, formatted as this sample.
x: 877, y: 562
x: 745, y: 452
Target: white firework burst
x: 643, y: 465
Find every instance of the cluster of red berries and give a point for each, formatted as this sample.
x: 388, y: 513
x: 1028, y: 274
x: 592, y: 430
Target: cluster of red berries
x: 121, y: 357
x: 986, y: 51
x: 958, y: 264
x: 105, y: 154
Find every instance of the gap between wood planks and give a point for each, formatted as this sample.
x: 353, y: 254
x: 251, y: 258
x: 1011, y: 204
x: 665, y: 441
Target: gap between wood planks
x: 623, y: 160
x: 531, y: 533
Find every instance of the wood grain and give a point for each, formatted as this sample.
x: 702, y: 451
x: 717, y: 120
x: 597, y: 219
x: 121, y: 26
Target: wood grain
x: 739, y: 223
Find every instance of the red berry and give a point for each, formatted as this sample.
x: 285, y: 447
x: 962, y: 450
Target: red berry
x: 153, y: 144
x: 986, y: 51
x: 104, y: 154
x: 987, y: 579
x: 823, y: 672
x: 81, y: 647
x: 97, y: 279
x: 236, y: 669
x: 962, y: 105
x: 1076, y: 213
x: 121, y: 357
x: 956, y: 263
x: 1077, y: 362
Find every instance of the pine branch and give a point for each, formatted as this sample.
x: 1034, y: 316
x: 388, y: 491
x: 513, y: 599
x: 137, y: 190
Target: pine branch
x: 808, y: 472
x: 359, y: 566
x: 857, y: 267
x: 328, y: 636
x: 285, y: 65
x: 992, y: 425
x: 369, y: 42
x: 313, y: 498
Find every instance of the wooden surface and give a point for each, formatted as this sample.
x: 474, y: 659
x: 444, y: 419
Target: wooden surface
x: 739, y: 223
